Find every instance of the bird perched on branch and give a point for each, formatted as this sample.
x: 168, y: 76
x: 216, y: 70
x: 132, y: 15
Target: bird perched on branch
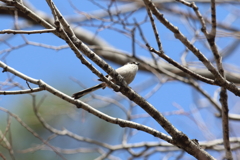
x: 128, y: 72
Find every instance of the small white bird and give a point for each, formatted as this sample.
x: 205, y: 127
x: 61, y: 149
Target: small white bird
x: 128, y: 72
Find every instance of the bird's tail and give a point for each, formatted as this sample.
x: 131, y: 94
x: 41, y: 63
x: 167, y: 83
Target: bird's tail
x: 86, y: 91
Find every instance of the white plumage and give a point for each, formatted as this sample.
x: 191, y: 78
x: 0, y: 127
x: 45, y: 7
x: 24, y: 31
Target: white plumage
x: 128, y: 72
